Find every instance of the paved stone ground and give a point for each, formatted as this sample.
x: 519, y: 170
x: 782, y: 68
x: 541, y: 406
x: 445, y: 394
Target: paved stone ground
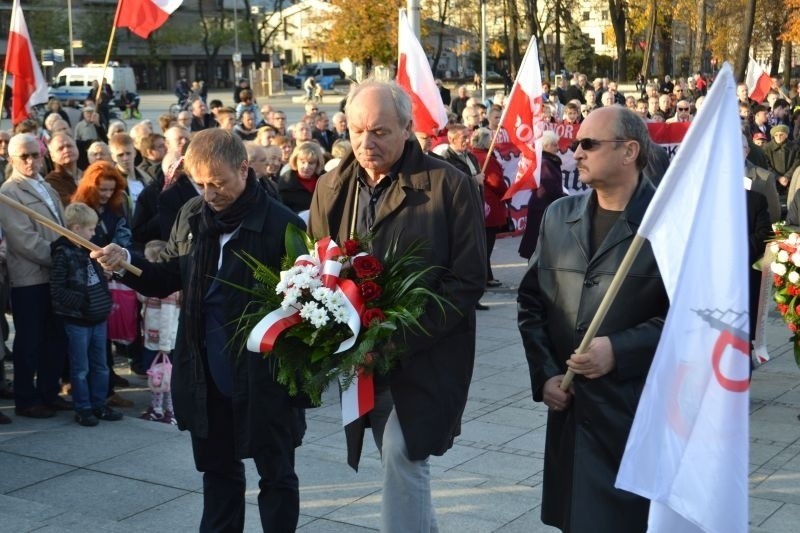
x: 132, y: 476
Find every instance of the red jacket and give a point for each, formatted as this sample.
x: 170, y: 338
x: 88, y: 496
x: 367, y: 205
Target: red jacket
x: 494, y: 187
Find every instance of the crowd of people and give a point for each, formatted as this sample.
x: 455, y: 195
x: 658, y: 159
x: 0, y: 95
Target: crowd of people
x: 179, y: 199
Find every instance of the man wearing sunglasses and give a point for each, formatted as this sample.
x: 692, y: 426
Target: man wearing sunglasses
x: 40, y: 342
x: 582, y: 241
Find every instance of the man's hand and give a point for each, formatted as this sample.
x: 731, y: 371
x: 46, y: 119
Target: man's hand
x: 783, y: 180
x: 598, y: 359
x: 479, y: 177
x: 552, y: 395
x: 110, y: 258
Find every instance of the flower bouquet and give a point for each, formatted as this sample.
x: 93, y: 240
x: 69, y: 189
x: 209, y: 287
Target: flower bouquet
x: 785, y: 269
x: 335, y: 312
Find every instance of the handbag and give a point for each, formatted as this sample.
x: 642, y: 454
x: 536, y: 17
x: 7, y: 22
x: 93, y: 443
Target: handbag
x: 123, y: 321
x: 160, y: 373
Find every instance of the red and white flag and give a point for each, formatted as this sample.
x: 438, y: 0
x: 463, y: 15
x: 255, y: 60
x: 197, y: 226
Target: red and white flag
x: 688, y: 447
x: 523, y: 120
x: 758, y: 83
x: 143, y: 17
x: 415, y: 76
x: 29, y: 87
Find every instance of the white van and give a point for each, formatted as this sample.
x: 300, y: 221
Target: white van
x: 74, y: 83
x: 325, y: 74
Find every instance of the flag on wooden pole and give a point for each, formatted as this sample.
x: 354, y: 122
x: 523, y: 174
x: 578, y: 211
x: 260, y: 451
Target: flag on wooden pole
x: 29, y: 88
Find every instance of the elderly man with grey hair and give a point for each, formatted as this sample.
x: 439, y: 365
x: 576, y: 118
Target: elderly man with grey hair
x: 388, y: 189
x: 40, y: 342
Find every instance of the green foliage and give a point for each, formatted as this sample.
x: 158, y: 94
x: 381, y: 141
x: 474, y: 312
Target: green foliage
x: 304, y: 354
x: 578, y: 55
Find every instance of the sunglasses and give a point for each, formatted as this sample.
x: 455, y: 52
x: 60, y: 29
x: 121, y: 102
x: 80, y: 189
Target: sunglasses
x: 683, y: 109
x: 26, y: 157
x: 590, y: 144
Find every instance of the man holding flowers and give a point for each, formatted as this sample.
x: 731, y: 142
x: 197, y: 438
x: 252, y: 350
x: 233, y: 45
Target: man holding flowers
x: 229, y: 401
x: 388, y: 191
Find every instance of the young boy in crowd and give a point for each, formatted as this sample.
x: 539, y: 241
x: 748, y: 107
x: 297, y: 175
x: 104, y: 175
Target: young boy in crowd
x: 80, y: 296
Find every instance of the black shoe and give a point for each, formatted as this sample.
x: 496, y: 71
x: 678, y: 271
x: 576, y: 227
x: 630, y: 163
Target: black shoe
x: 61, y: 405
x: 480, y: 307
x: 138, y: 369
x: 7, y: 393
x: 119, y: 381
x: 86, y: 418
x: 108, y: 414
x: 4, y: 419
x: 35, y: 411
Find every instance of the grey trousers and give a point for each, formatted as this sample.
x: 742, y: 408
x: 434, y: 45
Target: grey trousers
x: 406, y: 506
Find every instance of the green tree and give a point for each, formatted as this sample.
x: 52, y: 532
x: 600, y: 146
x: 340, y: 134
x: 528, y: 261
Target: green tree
x: 578, y: 55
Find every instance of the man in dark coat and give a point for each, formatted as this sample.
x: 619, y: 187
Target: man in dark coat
x: 228, y: 400
x: 387, y: 187
x: 582, y: 242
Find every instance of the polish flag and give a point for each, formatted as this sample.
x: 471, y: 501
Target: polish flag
x: 144, y: 16
x: 29, y: 88
x: 415, y: 76
x: 758, y: 83
x: 358, y: 398
x: 523, y: 119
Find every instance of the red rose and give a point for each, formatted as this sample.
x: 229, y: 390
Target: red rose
x: 372, y: 315
x: 370, y: 290
x: 352, y: 247
x: 792, y: 328
x: 782, y: 308
x: 366, y: 266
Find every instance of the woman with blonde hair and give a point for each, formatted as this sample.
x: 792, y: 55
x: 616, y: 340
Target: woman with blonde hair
x: 306, y: 165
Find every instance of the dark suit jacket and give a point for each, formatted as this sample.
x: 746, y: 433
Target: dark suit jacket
x: 262, y: 409
x: 432, y: 203
x: 170, y: 202
x: 324, y: 138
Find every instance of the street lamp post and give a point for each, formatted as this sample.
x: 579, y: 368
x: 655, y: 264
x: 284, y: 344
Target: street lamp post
x: 237, y: 57
x: 483, y: 50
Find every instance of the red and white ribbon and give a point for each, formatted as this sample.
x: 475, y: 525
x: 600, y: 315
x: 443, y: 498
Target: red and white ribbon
x: 358, y: 399
x: 325, y: 257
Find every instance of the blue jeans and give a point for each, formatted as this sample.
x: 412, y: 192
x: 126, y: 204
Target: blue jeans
x: 86, y: 346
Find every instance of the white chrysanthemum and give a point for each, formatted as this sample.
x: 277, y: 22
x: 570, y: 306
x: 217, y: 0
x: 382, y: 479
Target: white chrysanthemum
x: 778, y: 268
x: 774, y: 248
x: 322, y: 294
x: 319, y: 318
x: 290, y: 298
x: 793, y: 238
x: 339, y: 314
x: 796, y: 259
x: 783, y: 256
x: 282, y: 286
x: 308, y: 310
x: 794, y: 277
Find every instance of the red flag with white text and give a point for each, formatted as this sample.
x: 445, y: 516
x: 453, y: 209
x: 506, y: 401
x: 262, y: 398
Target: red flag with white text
x: 143, y: 17
x: 415, y: 76
x: 523, y: 120
x: 29, y: 87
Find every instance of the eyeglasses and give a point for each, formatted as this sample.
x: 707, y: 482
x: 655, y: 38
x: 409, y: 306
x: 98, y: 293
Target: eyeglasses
x: 590, y: 144
x: 683, y: 109
x: 28, y: 157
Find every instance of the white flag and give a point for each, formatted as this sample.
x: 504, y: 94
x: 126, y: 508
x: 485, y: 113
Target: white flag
x: 688, y: 448
x: 415, y: 76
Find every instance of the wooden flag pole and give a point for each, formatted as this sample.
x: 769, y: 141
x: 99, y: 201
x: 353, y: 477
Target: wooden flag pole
x: 74, y: 237
x: 605, y: 304
x: 108, y: 56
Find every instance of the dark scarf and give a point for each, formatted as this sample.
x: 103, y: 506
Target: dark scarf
x: 205, y: 257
